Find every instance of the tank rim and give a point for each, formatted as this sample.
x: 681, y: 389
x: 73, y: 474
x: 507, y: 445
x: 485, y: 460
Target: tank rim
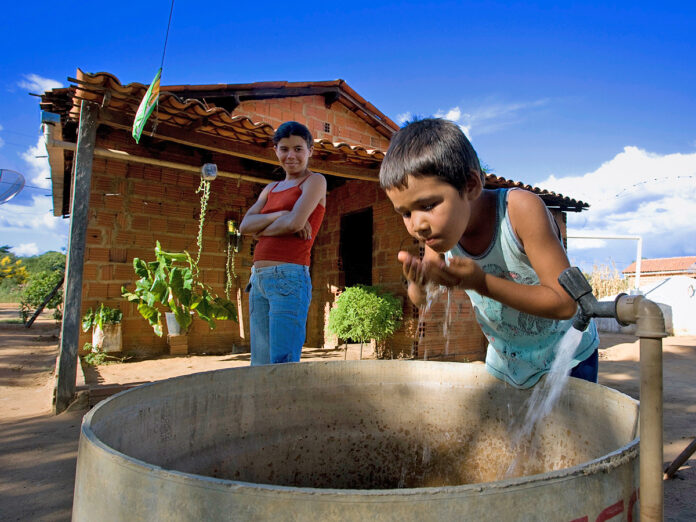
x: 603, y: 463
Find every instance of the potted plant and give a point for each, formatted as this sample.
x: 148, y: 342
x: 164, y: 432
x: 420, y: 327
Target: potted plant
x: 105, y: 324
x: 363, y: 313
x: 171, y: 281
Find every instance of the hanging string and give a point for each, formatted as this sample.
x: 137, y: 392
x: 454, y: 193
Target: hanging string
x: 166, y: 37
x: 164, y: 52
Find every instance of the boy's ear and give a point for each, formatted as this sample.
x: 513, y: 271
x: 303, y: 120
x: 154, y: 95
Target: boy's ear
x: 474, y: 185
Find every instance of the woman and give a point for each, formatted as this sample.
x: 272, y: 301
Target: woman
x: 285, y: 219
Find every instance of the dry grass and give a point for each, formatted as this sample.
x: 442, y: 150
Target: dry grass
x: 606, y: 281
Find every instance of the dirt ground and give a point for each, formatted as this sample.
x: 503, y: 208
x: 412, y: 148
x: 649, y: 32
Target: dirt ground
x: 38, y: 450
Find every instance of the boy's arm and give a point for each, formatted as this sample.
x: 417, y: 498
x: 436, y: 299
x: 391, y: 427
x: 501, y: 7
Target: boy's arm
x: 535, y: 230
x: 313, y: 191
x: 254, y: 221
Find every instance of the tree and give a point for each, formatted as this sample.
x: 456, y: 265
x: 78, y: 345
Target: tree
x: 37, y: 289
x: 12, y: 268
x: 48, y: 261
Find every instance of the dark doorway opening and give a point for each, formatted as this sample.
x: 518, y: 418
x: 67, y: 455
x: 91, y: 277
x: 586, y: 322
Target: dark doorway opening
x: 355, y: 248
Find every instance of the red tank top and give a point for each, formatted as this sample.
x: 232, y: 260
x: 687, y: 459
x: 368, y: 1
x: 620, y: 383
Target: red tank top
x: 288, y: 248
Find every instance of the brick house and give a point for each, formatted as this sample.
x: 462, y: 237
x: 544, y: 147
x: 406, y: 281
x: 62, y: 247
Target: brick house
x: 140, y: 193
x: 653, y: 270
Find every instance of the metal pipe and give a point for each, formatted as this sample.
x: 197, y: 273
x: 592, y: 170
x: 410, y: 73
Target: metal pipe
x: 650, y: 322
x: 651, y: 445
x: 650, y: 329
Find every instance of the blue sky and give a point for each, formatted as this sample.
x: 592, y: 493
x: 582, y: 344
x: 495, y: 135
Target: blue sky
x: 596, y: 102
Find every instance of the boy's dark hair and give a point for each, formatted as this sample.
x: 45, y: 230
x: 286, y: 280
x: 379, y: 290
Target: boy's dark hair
x: 293, y: 128
x: 430, y: 147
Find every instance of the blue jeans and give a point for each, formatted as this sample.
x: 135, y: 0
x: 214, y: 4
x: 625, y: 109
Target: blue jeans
x: 278, y: 305
x: 587, y: 369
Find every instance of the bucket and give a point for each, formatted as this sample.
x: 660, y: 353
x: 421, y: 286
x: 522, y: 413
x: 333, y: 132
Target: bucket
x: 364, y: 440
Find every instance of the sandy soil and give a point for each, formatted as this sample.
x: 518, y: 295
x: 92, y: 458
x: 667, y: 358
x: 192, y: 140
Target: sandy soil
x: 38, y: 450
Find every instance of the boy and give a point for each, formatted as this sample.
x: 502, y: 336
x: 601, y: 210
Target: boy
x: 502, y: 246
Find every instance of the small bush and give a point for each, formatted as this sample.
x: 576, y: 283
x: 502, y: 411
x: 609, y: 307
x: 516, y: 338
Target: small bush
x: 37, y: 289
x: 95, y: 356
x: 363, y: 313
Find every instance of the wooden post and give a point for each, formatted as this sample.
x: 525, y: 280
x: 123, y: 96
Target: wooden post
x: 70, y: 329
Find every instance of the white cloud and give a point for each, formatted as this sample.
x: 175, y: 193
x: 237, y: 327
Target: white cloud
x: 33, y: 224
x: 489, y: 116
x: 636, y: 193
x: 29, y: 222
x: 39, y: 170
x: 403, y: 117
x: 35, y: 217
x: 38, y: 84
x: 25, y: 249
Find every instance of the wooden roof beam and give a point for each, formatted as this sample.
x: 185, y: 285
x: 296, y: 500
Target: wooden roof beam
x: 233, y: 148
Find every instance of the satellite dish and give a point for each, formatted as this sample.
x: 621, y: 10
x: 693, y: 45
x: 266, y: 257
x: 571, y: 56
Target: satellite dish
x: 11, y: 183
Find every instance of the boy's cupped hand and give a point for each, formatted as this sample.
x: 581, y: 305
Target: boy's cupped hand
x: 461, y: 272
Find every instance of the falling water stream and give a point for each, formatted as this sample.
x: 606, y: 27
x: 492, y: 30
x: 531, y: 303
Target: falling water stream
x: 523, y: 443
x: 540, y: 403
x: 432, y: 293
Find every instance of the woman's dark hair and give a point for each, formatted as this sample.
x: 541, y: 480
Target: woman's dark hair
x: 430, y: 147
x: 293, y: 128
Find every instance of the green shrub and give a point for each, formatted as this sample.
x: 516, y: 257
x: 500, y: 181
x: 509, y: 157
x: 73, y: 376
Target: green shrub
x: 95, y: 356
x: 10, y: 291
x: 37, y: 289
x: 363, y: 313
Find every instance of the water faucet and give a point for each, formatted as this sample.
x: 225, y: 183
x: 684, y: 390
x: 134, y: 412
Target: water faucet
x: 650, y: 322
x: 573, y: 281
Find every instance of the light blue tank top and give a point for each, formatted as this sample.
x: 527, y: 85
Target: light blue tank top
x: 521, y: 346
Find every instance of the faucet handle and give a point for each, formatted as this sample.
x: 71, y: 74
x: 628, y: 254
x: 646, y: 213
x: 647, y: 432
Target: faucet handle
x: 573, y: 281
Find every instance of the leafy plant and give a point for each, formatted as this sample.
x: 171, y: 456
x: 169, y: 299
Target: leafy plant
x: 363, y: 313
x: 37, y: 289
x: 103, y: 315
x: 170, y: 280
x: 95, y: 356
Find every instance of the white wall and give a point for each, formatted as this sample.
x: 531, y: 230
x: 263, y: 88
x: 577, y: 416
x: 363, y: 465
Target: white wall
x: 677, y: 299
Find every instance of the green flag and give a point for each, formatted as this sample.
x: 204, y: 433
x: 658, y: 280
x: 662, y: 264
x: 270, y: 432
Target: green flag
x: 146, y: 106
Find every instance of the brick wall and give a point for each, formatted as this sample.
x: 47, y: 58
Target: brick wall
x: 344, y: 126
x: 133, y: 205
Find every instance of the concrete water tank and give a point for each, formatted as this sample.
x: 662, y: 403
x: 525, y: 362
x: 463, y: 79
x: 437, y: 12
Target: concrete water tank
x: 364, y: 440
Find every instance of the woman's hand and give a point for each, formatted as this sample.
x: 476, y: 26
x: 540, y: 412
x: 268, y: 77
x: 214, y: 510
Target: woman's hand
x: 306, y: 232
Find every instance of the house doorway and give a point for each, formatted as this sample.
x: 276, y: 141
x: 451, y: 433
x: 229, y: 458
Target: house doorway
x: 355, y: 248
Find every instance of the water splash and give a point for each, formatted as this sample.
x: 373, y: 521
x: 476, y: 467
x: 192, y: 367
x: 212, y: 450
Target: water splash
x: 432, y: 293
x: 541, y: 402
x: 445, y: 326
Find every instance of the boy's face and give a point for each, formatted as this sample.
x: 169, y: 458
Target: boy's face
x: 433, y: 211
